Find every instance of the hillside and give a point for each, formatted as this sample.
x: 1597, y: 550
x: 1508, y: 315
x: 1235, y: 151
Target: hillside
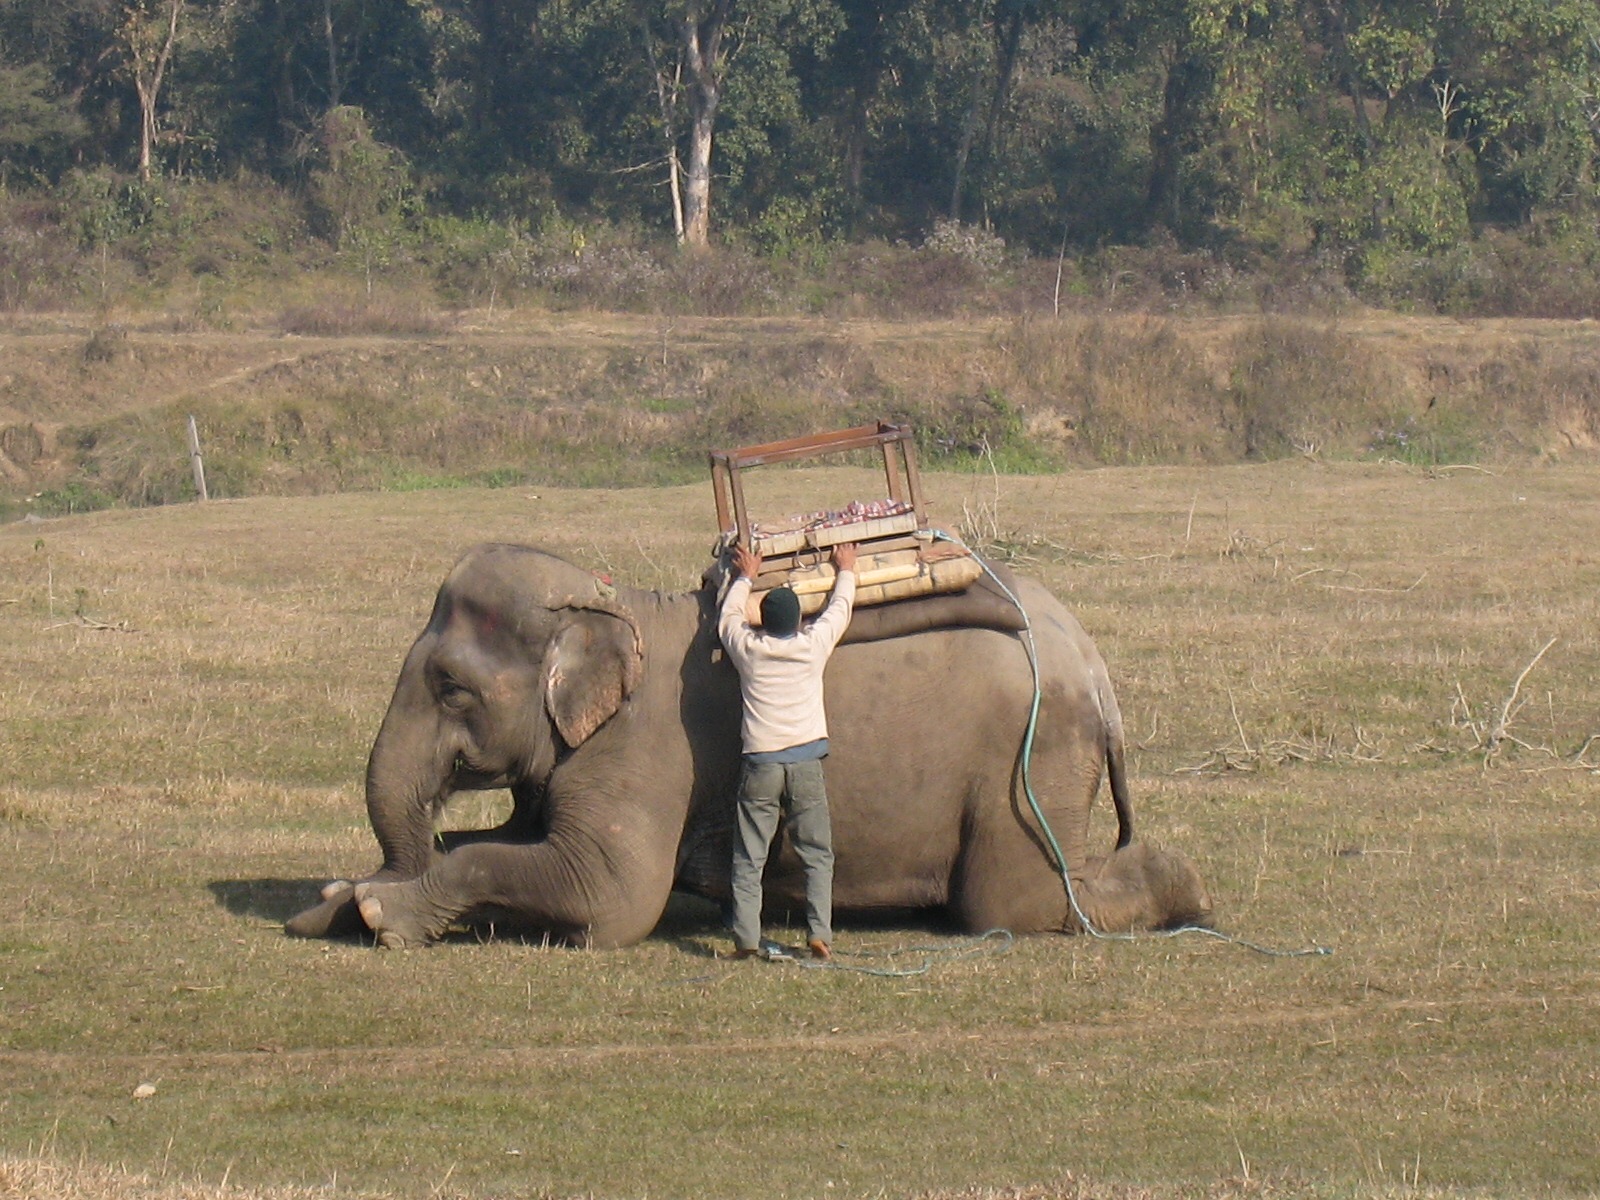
x: 93, y: 414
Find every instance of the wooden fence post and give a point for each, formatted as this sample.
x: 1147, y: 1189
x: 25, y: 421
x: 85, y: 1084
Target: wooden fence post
x: 194, y: 460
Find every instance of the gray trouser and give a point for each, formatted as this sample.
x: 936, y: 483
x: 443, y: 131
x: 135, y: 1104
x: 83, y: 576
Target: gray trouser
x: 765, y: 791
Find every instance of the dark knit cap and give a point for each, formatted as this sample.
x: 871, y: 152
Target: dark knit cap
x: 780, y: 612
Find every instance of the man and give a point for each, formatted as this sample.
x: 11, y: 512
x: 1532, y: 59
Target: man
x: 785, y: 738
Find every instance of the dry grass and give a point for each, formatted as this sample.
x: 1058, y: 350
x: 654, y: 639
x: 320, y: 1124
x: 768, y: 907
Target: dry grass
x: 40, y: 1178
x: 94, y: 413
x: 1311, y: 659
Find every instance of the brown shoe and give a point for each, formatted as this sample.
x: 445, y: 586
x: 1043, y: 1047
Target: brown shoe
x: 820, y: 950
x: 739, y: 952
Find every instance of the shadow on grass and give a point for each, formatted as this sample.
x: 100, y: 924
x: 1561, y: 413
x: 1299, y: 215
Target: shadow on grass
x: 266, y: 899
x: 696, y: 926
x: 277, y: 900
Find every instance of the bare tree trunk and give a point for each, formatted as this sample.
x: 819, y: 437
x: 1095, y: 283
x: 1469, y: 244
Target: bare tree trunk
x: 335, y: 90
x: 969, y: 130
x: 147, y: 125
x: 697, y: 184
x: 1008, y: 37
x: 861, y: 54
x: 667, y: 99
x: 1349, y: 76
x: 1010, y: 44
x: 149, y: 70
x: 702, y: 31
x: 1176, y: 135
x: 855, y: 147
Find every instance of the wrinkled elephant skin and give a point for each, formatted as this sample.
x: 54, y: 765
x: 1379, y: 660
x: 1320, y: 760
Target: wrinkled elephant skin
x: 613, y: 718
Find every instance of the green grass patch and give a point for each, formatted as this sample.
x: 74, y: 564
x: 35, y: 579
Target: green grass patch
x: 73, y: 497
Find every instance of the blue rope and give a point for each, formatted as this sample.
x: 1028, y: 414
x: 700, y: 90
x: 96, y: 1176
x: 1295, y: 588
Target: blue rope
x: 1089, y: 926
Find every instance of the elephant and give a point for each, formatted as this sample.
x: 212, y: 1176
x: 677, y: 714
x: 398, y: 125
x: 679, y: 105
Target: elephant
x: 612, y: 716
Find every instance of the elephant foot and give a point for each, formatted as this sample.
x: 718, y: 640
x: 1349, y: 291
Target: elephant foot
x: 396, y: 914
x: 336, y: 916
x: 1144, y: 887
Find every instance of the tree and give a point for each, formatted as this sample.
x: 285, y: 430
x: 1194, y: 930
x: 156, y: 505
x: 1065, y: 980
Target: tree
x: 1525, y: 84
x: 36, y: 126
x: 667, y: 90
x: 701, y: 27
x: 149, y: 33
x: 294, y: 61
x: 1007, y: 22
x: 746, y: 112
x: 859, y: 62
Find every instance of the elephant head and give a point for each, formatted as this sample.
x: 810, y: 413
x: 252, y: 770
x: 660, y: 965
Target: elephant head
x: 523, y: 658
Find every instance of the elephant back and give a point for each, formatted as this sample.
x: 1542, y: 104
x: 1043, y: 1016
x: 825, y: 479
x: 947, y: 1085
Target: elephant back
x: 986, y: 604
x: 983, y: 604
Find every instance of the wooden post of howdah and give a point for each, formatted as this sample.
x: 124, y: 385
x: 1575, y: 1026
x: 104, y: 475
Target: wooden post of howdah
x: 194, y: 460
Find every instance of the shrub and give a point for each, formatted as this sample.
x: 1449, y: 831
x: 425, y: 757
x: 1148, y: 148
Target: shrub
x: 382, y: 317
x: 1451, y: 437
x: 723, y: 283
x: 1302, y: 387
x: 38, y: 263
x: 985, y: 250
x: 1552, y: 273
x: 73, y: 497
x: 478, y: 260
x: 105, y: 344
x: 621, y: 277
x: 1164, y: 277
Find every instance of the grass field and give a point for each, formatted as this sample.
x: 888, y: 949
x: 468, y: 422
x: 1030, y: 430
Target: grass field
x: 1333, y: 682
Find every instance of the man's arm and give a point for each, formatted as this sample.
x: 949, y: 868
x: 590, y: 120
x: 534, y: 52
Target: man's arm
x: 835, y: 619
x: 733, y: 624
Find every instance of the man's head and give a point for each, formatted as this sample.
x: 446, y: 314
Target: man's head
x: 780, y: 612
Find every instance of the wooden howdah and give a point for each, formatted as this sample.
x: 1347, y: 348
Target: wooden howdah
x: 899, y: 555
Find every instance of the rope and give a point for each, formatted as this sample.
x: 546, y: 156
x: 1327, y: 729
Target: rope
x: 1089, y: 926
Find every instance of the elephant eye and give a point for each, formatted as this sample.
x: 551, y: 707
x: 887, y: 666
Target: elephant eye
x: 453, y: 694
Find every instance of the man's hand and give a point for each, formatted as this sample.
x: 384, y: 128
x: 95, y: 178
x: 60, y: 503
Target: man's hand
x: 844, y: 556
x: 746, y: 562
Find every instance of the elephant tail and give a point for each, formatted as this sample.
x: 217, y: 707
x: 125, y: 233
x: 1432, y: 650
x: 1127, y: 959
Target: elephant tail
x: 1116, y: 767
x: 1117, y: 771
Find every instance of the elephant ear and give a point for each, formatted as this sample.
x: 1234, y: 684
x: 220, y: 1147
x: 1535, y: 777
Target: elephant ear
x: 591, y: 667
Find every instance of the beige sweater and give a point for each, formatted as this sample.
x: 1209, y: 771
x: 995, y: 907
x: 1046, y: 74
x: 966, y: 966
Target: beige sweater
x: 781, y: 678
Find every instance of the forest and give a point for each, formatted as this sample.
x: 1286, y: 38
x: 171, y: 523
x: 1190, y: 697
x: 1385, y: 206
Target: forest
x: 1426, y: 155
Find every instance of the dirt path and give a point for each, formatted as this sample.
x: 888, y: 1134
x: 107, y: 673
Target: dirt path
x: 423, y: 1059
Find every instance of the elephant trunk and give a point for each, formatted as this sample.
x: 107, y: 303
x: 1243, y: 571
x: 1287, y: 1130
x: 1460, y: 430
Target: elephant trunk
x: 408, y: 780
x: 409, y: 774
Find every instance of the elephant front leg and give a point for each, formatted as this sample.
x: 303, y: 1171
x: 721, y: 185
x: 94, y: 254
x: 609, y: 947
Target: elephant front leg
x: 335, y: 916
x: 403, y: 915
x: 338, y: 914
x: 609, y: 899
